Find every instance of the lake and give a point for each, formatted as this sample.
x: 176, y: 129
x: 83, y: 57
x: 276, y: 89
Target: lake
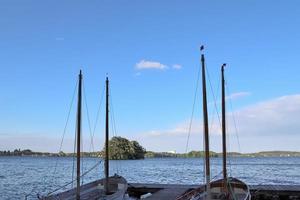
x: 21, y: 176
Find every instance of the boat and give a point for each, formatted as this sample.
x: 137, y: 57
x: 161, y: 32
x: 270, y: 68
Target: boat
x: 227, y: 188
x: 109, y: 188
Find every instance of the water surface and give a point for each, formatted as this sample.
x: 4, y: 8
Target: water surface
x: 21, y: 176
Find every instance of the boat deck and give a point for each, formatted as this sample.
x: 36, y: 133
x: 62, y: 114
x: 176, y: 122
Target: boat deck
x: 171, y: 191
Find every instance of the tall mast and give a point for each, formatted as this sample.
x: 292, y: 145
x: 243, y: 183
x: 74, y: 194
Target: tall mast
x: 224, y: 128
x: 106, y: 165
x: 205, y: 125
x: 78, y: 135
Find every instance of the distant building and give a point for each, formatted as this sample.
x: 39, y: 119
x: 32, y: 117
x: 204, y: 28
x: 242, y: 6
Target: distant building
x: 173, y: 152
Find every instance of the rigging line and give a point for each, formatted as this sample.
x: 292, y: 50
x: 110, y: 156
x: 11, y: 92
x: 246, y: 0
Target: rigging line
x: 88, y: 117
x: 213, y: 94
x: 98, y: 114
x: 214, y: 100
x: 193, y: 110
x: 98, y: 111
x: 234, y: 120
x: 114, y: 125
x: 65, y: 127
x: 81, y: 155
x: 71, y: 182
x: 228, y: 135
x: 203, y: 159
x: 113, y: 132
x: 73, y: 167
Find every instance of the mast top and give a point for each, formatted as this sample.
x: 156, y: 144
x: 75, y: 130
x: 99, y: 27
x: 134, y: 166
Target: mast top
x: 201, y: 47
x: 223, y: 66
x: 80, y: 74
x: 202, y: 55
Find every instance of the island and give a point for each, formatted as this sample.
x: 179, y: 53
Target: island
x: 123, y: 149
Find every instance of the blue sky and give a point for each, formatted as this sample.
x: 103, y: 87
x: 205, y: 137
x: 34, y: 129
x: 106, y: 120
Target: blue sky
x: 138, y: 43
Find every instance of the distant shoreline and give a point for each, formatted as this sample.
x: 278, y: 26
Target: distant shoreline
x: 151, y: 154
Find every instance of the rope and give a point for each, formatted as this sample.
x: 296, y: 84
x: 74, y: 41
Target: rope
x: 73, y: 167
x: 98, y: 112
x: 88, y: 118
x: 214, y: 101
x: 234, y: 121
x: 114, y: 129
x: 63, y: 186
x: 213, y: 94
x: 65, y: 127
x: 193, y: 110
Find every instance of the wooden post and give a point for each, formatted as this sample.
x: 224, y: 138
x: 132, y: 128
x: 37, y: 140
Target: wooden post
x: 106, y: 165
x: 78, y: 135
x: 205, y: 127
x: 224, y: 129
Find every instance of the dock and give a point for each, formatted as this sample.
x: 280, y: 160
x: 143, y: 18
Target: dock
x: 171, y: 191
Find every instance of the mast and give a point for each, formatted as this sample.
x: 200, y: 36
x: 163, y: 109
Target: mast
x: 106, y: 164
x: 205, y: 125
x: 78, y: 135
x: 224, y: 129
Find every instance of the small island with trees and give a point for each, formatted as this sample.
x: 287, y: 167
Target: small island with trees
x: 119, y: 149
x: 123, y: 149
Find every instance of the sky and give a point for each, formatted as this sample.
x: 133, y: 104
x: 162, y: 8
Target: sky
x: 150, y: 52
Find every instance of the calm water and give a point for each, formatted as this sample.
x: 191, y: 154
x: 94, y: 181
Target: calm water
x: 21, y: 176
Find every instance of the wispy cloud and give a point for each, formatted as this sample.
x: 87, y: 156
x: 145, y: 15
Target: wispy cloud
x: 233, y: 96
x: 237, y: 95
x: 146, y: 64
x: 176, y: 66
x: 270, y: 125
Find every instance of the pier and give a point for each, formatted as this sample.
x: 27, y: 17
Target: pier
x: 171, y: 191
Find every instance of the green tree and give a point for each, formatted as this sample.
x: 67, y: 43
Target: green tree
x: 123, y: 149
x: 139, y: 151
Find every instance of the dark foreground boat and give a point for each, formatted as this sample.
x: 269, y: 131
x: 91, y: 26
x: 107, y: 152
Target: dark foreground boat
x: 95, y: 190
x: 108, y: 188
x: 227, y: 188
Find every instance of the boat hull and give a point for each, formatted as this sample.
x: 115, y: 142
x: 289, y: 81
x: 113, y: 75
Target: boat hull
x: 95, y: 191
x: 238, y: 190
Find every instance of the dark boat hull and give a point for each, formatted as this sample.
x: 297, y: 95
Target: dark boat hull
x: 95, y: 191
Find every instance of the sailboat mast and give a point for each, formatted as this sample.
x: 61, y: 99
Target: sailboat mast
x: 78, y: 135
x: 205, y: 123
x: 106, y: 165
x: 224, y: 128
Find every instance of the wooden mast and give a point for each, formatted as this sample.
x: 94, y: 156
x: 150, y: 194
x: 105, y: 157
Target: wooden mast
x: 224, y: 129
x: 205, y: 125
x: 106, y: 164
x: 78, y: 135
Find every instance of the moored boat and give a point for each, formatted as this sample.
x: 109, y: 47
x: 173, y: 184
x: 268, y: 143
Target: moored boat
x: 108, y: 188
x: 227, y: 188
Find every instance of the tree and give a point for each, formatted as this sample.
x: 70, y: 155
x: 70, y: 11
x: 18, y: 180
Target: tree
x: 139, y: 151
x: 123, y: 149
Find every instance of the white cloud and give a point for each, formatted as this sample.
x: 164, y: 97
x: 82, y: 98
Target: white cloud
x: 279, y: 116
x: 145, y: 64
x: 237, y: 95
x: 233, y: 96
x: 177, y: 66
x: 268, y: 125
